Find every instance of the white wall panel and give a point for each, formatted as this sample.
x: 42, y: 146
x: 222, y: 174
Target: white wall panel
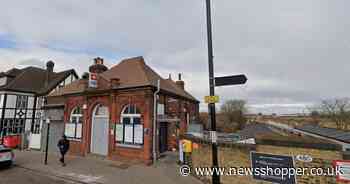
x: 30, y: 102
x: 29, y: 113
x: 1, y: 100
x: 28, y: 125
x: 68, y: 80
x: 9, y: 113
x: 3, y: 81
x: 11, y: 101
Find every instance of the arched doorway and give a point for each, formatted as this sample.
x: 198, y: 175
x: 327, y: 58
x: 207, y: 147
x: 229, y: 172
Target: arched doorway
x: 99, y: 130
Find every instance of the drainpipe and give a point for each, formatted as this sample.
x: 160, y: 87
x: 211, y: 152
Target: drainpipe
x: 155, y: 103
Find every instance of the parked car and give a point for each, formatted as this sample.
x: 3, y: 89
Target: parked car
x: 6, y: 156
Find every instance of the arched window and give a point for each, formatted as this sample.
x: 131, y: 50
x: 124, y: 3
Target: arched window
x: 131, y: 115
x: 73, y: 129
x: 130, y: 129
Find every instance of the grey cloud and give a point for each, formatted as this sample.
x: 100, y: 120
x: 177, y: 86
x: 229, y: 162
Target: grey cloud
x: 293, y: 52
x: 32, y: 62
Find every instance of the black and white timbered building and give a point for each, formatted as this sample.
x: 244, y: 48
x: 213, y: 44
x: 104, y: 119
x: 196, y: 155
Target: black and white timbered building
x: 22, y: 97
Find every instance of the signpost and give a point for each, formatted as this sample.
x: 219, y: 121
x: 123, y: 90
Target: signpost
x: 230, y: 80
x: 211, y: 99
x: 277, y: 163
x: 93, y: 80
x: 213, y: 137
x: 221, y: 81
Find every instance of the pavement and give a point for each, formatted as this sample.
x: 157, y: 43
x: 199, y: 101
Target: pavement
x: 95, y: 170
x: 17, y: 175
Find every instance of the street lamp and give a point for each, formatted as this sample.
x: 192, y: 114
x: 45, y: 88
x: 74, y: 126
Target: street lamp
x: 47, y: 139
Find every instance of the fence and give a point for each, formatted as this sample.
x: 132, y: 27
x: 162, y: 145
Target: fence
x: 238, y: 155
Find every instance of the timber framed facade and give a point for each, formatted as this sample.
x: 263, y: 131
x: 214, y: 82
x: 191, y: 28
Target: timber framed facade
x: 22, y: 97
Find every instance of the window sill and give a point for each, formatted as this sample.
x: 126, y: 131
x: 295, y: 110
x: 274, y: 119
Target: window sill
x: 130, y: 146
x: 75, y: 140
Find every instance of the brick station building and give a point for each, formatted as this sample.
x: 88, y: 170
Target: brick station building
x: 110, y: 112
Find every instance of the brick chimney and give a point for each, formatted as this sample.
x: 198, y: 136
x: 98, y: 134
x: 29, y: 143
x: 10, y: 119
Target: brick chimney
x: 49, y: 70
x: 49, y: 66
x: 180, y: 82
x: 98, y: 66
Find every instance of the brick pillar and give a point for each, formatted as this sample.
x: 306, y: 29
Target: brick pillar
x: 113, y: 120
x: 86, y: 127
x: 148, y: 124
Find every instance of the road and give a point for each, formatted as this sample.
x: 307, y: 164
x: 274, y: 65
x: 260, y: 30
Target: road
x: 18, y: 175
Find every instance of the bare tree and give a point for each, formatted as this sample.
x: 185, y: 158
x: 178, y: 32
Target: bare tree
x: 233, y: 111
x: 315, y: 114
x: 338, y: 110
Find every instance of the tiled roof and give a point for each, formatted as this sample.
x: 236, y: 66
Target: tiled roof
x: 132, y: 73
x: 33, y: 80
x: 256, y: 129
x: 331, y: 133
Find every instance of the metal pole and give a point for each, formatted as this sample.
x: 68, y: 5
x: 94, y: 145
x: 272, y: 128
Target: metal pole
x: 47, y: 142
x: 154, y: 133
x: 3, y: 119
x: 211, y: 106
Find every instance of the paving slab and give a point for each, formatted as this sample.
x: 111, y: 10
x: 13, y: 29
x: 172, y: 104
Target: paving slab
x: 94, y: 170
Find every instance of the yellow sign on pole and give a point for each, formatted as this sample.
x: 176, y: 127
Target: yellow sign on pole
x: 211, y: 99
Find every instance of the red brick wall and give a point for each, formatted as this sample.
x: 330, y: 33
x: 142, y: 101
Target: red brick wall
x: 144, y: 101
x: 179, y: 108
x: 76, y: 147
x: 116, y: 101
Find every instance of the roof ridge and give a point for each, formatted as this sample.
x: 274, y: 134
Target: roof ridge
x: 154, y: 72
x: 123, y: 61
x: 143, y: 69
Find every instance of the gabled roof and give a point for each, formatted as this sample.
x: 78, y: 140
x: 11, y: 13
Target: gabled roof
x: 75, y: 87
x: 132, y: 73
x: 33, y: 80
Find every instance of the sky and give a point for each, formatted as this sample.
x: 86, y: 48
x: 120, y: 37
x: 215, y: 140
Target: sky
x: 294, y: 52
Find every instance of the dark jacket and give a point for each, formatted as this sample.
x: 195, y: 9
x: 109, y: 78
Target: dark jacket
x: 63, y: 145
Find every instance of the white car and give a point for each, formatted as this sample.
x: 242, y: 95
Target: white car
x: 6, y: 156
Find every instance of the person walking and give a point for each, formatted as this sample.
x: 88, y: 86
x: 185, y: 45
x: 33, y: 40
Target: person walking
x: 63, y: 146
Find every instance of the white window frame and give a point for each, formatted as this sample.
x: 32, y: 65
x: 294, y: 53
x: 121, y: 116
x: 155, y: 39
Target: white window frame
x: 132, y: 118
x: 79, y: 121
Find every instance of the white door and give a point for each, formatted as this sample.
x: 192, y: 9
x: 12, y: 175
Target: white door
x: 99, y: 132
x: 35, y: 136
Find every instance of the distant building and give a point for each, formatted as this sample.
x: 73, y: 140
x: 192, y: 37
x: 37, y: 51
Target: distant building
x: 22, y: 95
x: 110, y: 111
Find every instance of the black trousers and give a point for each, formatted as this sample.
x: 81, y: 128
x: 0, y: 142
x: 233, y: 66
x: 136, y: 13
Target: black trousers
x: 62, y: 157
